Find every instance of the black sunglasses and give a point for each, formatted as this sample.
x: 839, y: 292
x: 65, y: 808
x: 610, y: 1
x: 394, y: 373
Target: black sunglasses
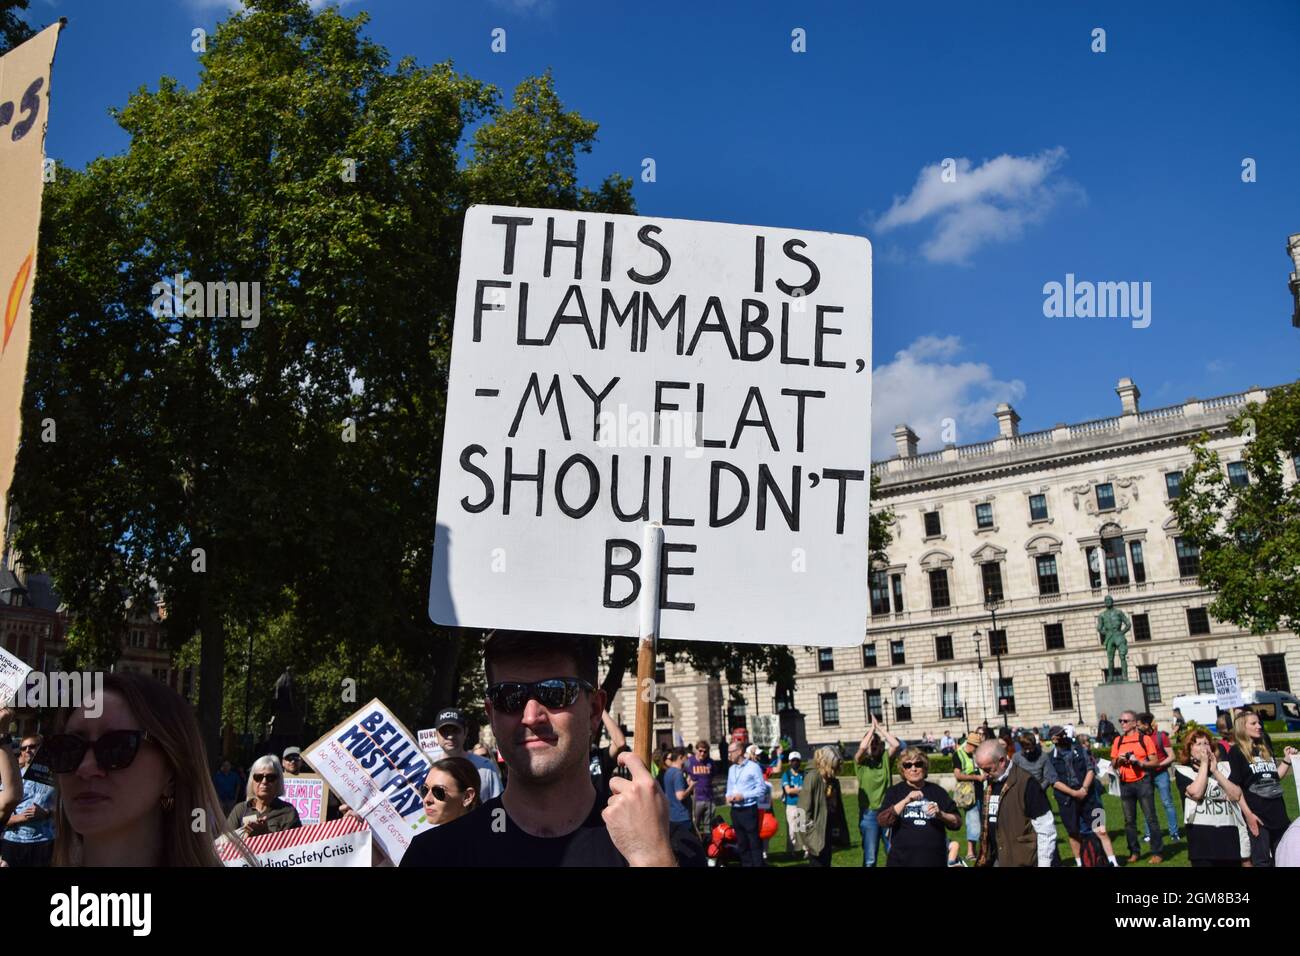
x: 912, y: 766
x: 265, y: 777
x: 114, y: 750
x: 511, y: 697
x: 438, y: 790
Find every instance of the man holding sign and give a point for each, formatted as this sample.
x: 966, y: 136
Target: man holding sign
x: 545, y: 708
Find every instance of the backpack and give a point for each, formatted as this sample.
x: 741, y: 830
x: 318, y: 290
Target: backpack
x: 964, y: 793
x: 1090, y: 852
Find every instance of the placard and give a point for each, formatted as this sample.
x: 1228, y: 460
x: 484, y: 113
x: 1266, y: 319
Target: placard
x: 610, y: 371
x: 1226, y: 686
x: 309, y: 796
x: 337, y: 843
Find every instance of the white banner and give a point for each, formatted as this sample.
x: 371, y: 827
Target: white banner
x: 612, y: 371
x: 337, y: 843
x: 429, y: 743
x: 375, y: 766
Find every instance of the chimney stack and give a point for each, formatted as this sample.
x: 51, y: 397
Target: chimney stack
x: 1128, y: 395
x: 1008, y: 421
x: 905, y: 439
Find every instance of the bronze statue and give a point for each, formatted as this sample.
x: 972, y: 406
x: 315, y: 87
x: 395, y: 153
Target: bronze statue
x: 1112, y: 625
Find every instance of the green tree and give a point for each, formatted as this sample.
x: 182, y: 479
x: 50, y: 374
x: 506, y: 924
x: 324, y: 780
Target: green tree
x: 1249, y: 535
x: 13, y: 29
x: 246, y: 471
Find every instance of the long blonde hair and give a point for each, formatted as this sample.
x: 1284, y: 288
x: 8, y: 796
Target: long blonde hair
x: 169, y: 721
x: 1247, y: 746
x: 826, y: 762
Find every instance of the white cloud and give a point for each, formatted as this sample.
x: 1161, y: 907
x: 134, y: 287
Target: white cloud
x: 926, y: 384
x: 993, y: 202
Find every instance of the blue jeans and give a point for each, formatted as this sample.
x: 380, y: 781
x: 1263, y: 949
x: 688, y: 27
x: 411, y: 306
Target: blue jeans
x: 1161, y: 781
x: 973, y: 823
x: 872, y: 835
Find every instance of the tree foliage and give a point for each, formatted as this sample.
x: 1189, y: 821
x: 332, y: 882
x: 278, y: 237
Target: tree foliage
x: 206, y: 458
x: 1249, y: 535
x: 13, y: 29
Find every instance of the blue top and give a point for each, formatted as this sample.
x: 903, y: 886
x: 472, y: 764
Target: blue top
x: 675, y: 780
x: 38, y: 789
x: 791, y: 778
x: 747, y: 780
x: 228, y: 785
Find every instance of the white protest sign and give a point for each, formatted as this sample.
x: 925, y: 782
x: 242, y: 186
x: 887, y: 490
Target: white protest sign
x: 13, y: 677
x: 429, y: 743
x: 612, y: 371
x: 1106, y: 771
x: 1226, y: 686
x: 337, y: 843
x: 375, y: 765
x: 307, y: 794
x: 766, y: 730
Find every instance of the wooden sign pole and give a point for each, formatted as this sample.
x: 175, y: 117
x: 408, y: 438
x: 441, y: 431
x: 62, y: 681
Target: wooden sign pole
x: 652, y: 554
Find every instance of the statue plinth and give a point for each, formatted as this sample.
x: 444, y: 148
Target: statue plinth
x: 1115, y: 698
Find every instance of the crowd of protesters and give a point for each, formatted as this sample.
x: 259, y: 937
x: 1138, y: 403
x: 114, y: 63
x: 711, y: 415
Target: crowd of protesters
x: 124, y: 785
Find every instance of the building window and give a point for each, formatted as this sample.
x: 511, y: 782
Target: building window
x: 830, y: 705
x: 874, y: 706
x: 943, y: 647
x: 1058, y: 686
x: 932, y: 527
x: 896, y: 652
x: 1006, y: 696
x: 662, y: 710
x: 1141, y: 627
x: 998, y: 642
x: 1094, y: 568
x: 896, y: 581
x: 1106, y: 497
x: 869, y: 655
x: 984, y: 516
x: 991, y: 572
x: 1274, y: 668
x: 825, y: 659
x: 1198, y: 621
x: 1048, y: 581
x: 1189, y: 558
x: 1204, y: 677
x: 1139, y: 566
x: 661, y: 672
x: 1116, y: 563
x: 902, y: 704
x: 1174, y: 485
x: 1054, y: 634
x: 939, y: 588
x: 137, y: 637
x: 1038, y: 507
x: 160, y: 675
x: 1237, y: 476
x: 1150, y: 683
x: 879, y: 592
x: 949, y: 704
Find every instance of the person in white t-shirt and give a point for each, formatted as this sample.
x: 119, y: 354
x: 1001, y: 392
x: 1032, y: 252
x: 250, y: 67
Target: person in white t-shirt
x: 449, y: 731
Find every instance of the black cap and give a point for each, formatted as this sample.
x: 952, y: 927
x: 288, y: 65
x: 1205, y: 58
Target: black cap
x: 450, y: 716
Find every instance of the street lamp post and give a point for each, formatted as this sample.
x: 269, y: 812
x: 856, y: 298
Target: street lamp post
x: 984, y: 710
x: 1077, y: 701
x: 992, y: 605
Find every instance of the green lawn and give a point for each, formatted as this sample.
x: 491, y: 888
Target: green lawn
x: 1174, y: 854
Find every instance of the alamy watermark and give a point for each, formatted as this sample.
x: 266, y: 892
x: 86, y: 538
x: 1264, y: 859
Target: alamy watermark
x: 178, y: 297
x: 637, y: 429
x: 63, y: 689
x: 1102, y: 300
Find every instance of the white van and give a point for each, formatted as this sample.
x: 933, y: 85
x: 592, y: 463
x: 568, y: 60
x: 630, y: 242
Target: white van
x: 1202, y: 708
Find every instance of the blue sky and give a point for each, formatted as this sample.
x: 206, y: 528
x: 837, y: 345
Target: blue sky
x: 1117, y: 166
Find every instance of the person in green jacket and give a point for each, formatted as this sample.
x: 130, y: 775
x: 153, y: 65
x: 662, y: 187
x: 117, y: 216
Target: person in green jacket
x: 874, y: 768
x: 822, y: 806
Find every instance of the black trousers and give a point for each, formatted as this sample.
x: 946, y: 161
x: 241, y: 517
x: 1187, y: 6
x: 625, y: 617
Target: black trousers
x: 748, y: 845
x: 27, y: 854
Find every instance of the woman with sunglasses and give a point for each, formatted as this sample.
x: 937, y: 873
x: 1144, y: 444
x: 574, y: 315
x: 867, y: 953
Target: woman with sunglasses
x: 131, y: 772
x: 917, y: 812
x: 263, y: 811
x: 450, y: 790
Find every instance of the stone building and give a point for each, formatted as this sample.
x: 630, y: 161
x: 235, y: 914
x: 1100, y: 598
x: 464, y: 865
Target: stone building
x: 1003, y: 552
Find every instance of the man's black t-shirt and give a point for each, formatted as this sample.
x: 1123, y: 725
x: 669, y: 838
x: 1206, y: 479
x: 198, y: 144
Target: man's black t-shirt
x: 488, y: 837
x: 916, y: 840
x: 1035, y: 806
